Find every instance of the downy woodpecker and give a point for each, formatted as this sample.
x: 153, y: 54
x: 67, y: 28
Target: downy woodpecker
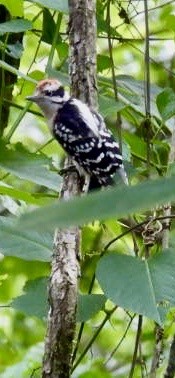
x: 81, y: 132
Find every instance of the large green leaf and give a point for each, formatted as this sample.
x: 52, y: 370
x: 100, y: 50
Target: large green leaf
x: 146, y: 287
x: 109, y: 106
x: 58, y: 5
x: 30, y: 198
x: 29, y: 166
x: 28, y: 245
x: 115, y: 202
x: 89, y: 305
x: 133, y: 92
x: 48, y: 29
x: 34, y: 301
x: 12, y: 69
x: 166, y: 103
x: 15, y: 26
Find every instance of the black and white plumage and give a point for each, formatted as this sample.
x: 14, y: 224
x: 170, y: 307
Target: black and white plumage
x: 81, y: 132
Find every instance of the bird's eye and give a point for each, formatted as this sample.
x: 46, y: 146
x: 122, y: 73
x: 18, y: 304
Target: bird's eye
x: 48, y: 93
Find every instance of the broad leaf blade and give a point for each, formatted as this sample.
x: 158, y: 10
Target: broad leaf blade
x: 166, y: 103
x: 89, y: 305
x: 58, y: 5
x: 15, y: 26
x: 145, y: 287
x: 114, y: 202
x: 34, y: 301
x: 29, y: 166
x: 28, y: 245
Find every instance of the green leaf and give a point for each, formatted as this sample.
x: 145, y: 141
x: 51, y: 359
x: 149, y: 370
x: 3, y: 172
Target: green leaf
x: 137, y: 144
x: 48, y: 29
x: 115, y: 202
x: 34, y: 198
x: 108, y: 106
x: 14, y: 7
x: 170, y: 22
x: 15, y: 26
x: 34, y: 301
x: 145, y: 287
x: 166, y: 104
x: 14, y: 50
x: 58, y: 5
x: 103, y: 62
x: 89, y: 305
x: 16, y: 72
x: 29, y: 166
x: 28, y: 245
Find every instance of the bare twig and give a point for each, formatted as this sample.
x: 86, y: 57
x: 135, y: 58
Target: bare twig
x: 120, y: 341
x: 147, y: 123
x: 88, y: 346
x: 137, y: 341
x: 108, y: 22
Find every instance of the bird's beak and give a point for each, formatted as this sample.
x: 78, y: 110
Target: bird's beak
x: 34, y: 98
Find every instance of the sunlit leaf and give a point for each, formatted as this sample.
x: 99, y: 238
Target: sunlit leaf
x: 166, y: 103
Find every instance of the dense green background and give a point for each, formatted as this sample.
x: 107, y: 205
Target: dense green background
x: 34, y: 45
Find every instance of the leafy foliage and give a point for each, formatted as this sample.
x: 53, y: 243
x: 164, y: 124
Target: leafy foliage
x: 119, y: 275
x: 124, y: 263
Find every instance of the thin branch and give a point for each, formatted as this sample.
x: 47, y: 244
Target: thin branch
x: 90, y: 343
x: 147, y: 123
x: 118, y: 121
x: 80, y: 332
x: 120, y: 341
x: 136, y: 226
x: 137, y: 341
x: 17, y: 122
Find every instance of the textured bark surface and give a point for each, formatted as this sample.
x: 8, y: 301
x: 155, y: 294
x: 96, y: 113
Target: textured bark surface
x: 63, y: 294
x: 7, y: 79
x: 65, y: 263
x: 82, y: 33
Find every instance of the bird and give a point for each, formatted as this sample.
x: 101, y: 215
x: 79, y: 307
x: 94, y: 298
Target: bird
x: 82, y: 133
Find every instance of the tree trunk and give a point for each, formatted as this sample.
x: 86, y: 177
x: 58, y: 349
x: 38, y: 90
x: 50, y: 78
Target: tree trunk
x: 7, y: 79
x: 65, y: 267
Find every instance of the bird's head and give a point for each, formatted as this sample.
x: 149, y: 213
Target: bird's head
x: 49, y: 95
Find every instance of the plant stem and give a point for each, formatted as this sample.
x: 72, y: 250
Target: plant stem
x: 138, y: 335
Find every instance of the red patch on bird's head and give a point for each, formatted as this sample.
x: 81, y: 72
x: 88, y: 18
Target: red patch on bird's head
x: 48, y: 83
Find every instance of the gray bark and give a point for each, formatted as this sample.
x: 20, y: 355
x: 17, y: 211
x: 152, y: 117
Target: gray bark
x: 62, y: 294
x: 65, y: 267
x: 82, y: 33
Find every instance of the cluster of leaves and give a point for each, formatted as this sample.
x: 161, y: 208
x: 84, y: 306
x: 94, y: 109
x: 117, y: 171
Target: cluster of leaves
x: 29, y: 183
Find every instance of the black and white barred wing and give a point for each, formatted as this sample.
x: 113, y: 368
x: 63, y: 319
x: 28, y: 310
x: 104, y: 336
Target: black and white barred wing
x: 84, y: 136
